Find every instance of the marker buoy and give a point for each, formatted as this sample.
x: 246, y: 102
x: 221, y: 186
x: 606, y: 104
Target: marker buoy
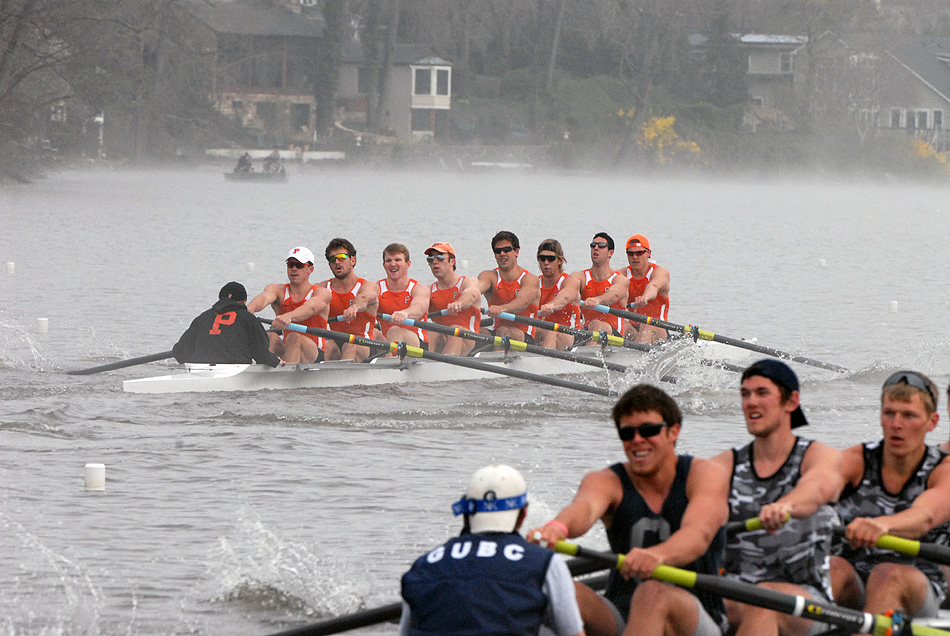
x: 95, y: 476
x: 11, y: 267
x: 42, y: 325
x: 892, y: 306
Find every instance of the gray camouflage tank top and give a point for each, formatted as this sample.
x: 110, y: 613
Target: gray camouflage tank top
x: 871, y: 499
x: 799, y: 552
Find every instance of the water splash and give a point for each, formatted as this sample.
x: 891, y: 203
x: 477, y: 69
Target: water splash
x: 18, y: 349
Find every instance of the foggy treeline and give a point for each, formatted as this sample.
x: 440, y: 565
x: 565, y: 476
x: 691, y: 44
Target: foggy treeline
x: 599, y: 68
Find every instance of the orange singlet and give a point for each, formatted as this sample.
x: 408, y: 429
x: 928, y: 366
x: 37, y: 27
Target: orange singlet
x: 362, y: 325
x: 658, y: 308
x: 288, y: 304
x: 469, y: 318
x: 391, y: 302
x: 569, y: 315
x: 506, y: 292
x: 593, y: 288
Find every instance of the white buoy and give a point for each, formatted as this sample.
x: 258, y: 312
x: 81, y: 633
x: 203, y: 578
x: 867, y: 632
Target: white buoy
x: 464, y: 263
x: 95, y: 476
x: 892, y: 306
x: 11, y: 267
x: 42, y: 325
x: 822, y: 262
x: 250, y: 267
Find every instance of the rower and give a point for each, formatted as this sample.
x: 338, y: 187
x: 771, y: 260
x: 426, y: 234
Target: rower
x: 402, y: 298
x: 297, y: 301
x: 649, y: 292
x: 353, y: 302
x: 457, y: 295
x: 226, y: 334
x: 658, y: 508
x: 601, y: 285
x: 510, y: 288
x: 777, y: 477
x: 899, y: 486
x: 489, y: 580
x: 559, y: 295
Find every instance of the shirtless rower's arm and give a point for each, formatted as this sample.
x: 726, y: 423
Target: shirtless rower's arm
x: 821, y: 483
x: 570, y: 293
x: 269, y: 296
x: 597, y: 496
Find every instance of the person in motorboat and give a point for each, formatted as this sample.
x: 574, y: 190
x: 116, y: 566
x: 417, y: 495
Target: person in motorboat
x: 649, y: 292
x: 560, y: 293
x: 510, y: 288
x: 788, y: 483
x: 227, y: 333
x: 244, y: 163
x: 456, y: 294
x: 401, y: 297
x: 659, y: 508
x: 299, y: 302
x: 353, y: 302
x: 602, y: 285
x: 273, y: 161
x: 489, y: 580
x: 898, y: 485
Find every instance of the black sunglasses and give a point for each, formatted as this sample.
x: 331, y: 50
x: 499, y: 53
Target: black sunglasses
x: 436, y: 257
x: 547, y: 257
x: 505, y: 249
x: 296, y: 264
x: 650, y: 429
x: 600, y: 244
x: 912, y: 379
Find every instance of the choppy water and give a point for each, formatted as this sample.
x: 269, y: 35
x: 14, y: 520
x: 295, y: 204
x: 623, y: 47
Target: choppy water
x: 246, y: 514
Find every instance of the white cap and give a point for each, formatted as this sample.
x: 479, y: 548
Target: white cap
x: 494, y: 498
x: 301, y: 254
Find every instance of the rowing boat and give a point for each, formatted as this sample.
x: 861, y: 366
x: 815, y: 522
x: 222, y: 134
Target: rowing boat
x: 257, y: 177
x: 254, y: 377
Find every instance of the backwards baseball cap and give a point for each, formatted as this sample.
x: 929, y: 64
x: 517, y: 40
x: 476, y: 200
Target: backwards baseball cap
x: 445, y: 248
x: 234, y: 291
x: 301, y: 254
x: 779, y: 373
x: 638, y: 240
x: 494, y: 497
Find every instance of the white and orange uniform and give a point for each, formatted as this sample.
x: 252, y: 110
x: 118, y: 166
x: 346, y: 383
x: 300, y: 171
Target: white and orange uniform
x: 570, y: 315
x: 316, y: 321
x: 392, y: 301
x: 658, y: 307
x: 362, y: 325
x: 469, y: 318
x: 593, y: 288
x: 505, y: 292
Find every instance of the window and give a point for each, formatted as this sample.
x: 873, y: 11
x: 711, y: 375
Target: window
x: 758, y: 102
x: 909, y: 119
x: 423, y: 81
x: 302, y: 115
x: 442, y: 81
x: 922, y: 120
x: 895, y: 118
x: 362, y: 80
x: 786, y: 64
x: 938, y: 119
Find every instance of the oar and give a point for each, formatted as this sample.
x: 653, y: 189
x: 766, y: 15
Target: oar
x: 131, y: 362
x: 392, y: 611
x: 701, y: 334
x: 401, y: 349
x: 857, y: 622
x: 517, y: 345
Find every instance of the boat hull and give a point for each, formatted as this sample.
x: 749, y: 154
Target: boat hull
x: 197, y: 378
x: 256, y: 177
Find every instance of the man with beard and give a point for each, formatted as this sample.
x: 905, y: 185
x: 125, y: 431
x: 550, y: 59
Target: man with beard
x: 353, y: 304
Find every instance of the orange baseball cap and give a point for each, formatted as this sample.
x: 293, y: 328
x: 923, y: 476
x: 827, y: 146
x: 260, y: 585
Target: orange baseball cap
x: 445, y: 248
x: 638, y: 240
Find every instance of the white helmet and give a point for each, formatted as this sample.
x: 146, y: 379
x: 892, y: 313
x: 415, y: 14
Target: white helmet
x: 495, y: 496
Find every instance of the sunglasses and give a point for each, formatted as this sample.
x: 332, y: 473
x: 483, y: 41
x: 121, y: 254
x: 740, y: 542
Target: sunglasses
x: 550, y: 258
x: 637, y: 252
x: 296, y: 264
x: 337, y: 257
x: 503, y: 250
x: 649, y: 429
x: 436, y: 257
x: 600, y: 244
x: 912, y: 379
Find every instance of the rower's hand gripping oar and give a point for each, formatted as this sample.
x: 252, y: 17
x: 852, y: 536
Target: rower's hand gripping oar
x: 402, y: 349
x: 507, y: 343
x: 701, y: 334
x: 856, y: 621
x: 131, y: 362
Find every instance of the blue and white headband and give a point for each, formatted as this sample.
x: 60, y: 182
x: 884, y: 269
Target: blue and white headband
x: 466, y: 506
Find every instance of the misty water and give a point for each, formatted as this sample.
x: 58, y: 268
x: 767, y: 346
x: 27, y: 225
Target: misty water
x: 247, y: 514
